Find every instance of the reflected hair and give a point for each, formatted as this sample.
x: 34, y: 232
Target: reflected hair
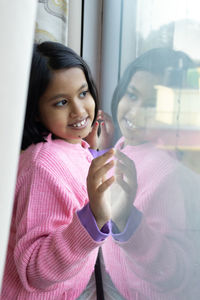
x: 156, y: 61
x: 48, y: 57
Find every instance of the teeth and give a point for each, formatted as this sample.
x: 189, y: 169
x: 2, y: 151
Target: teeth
x: 79, y: 124
x: 130, y: 124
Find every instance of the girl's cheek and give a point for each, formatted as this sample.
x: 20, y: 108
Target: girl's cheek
x: 120, y: 110
x: 123, y: 106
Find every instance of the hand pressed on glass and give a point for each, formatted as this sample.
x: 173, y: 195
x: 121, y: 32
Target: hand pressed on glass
x: 97, y: 185
x: 102, y: 133
x: 124, y: 190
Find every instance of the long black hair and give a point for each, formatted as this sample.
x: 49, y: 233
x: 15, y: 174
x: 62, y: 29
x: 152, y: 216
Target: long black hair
x: 157, y: 61
x: 47, y: 57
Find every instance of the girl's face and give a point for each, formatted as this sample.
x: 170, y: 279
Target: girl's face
x: 136, y: 110
x: 67, y: 108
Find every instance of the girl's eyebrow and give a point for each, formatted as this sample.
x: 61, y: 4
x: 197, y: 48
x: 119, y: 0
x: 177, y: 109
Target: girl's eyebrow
x: 84, y: 85
x: 56, y: 96
x: 132, y: 88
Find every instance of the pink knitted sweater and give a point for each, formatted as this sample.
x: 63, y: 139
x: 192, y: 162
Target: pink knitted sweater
x: 50, y: 254
x: 161, y: 260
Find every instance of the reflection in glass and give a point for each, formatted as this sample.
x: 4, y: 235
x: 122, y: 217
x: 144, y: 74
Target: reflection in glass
x: 153, y: 253
x: 154, y: 249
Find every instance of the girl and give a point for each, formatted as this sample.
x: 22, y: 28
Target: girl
x: 55, y: 234
x: 154, y: 249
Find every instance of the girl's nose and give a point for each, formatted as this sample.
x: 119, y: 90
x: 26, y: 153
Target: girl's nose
x: 132, y: 111
x: 76, y: 109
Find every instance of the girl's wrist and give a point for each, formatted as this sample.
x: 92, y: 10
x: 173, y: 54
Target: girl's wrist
x: 100, y: 224
x: 99, y: 220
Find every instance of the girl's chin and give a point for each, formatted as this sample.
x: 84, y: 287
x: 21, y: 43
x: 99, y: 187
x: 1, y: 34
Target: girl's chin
x: 135, y: 139
x: 80, y: 136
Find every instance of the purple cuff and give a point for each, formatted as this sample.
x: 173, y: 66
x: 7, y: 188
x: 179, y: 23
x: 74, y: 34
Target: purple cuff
x: 132, y: 224
x: 88, y: 221
x: 96, y: 153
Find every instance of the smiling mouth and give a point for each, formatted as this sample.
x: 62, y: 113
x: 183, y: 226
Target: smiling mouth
x: 129, y: 124
x: 79, y: 125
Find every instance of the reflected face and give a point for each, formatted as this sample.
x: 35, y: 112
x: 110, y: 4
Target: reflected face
x: 136, y: 110
x: 67, y: 108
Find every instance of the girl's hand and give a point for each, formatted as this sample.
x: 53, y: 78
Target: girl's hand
x: 106, y: 130
x: 102, y: 133
x: 124, y: 190
x: 92, y: 139
x: 97, y: 185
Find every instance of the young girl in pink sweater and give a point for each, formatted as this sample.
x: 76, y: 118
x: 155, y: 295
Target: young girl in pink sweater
x: 153, y: 253
x: 55, y: 234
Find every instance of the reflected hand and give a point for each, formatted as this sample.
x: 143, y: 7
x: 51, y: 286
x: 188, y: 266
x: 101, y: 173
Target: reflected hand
x: 106, y: 130
x: 124, y: 190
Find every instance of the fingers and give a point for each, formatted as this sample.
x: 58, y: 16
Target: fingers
x: 95, y: 129
x: 103, y: 129
x: 99, y: 168
x: 128, y: 171
x: 106, y: 184
x: 100, y: 174
x: 92, y: 138
x: 126, y: 161
x: 124, y: 185
x: 126, y: 175
x: 99, y: 161
x: 123, y: 157
x: 100, y: 114
x: 104, y: 116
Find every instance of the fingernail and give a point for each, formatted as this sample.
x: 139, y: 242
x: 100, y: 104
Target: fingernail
x: 96, y: 123
x: 102, y: 123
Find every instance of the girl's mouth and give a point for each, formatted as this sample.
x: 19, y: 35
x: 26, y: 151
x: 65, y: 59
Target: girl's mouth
x: 129, y: 124
x: 80, y: 124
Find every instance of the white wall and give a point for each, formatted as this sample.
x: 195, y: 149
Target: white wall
x: 17, y: 19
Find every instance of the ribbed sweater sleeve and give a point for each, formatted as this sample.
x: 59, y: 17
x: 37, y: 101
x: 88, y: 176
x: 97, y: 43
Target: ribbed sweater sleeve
x: 88, y: 221
x: 52, y: 245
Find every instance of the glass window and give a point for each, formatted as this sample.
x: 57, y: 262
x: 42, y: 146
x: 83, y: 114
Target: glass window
x: 150, y: 85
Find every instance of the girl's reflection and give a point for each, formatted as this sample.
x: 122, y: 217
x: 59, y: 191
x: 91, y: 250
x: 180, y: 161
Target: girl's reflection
x: 153, y: 253
x: 135, y: 113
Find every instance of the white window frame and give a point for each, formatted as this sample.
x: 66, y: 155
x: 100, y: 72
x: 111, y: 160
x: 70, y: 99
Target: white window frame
x: 17, y: 19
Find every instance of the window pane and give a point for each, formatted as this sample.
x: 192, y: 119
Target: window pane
x: 155, y: 105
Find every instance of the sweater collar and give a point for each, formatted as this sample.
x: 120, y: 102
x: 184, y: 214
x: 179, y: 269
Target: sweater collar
x: 64, y: 143
x: 145, y: 146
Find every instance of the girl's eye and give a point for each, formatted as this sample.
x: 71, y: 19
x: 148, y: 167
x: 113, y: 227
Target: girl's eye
x: 83, y: 94
x: 131, y: 96
x: 61, y: 103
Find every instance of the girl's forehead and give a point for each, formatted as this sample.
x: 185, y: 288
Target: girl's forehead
x: 141, y: 77
x: 143, y: 81
x: 71, y: 77
x: 65, y: 82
